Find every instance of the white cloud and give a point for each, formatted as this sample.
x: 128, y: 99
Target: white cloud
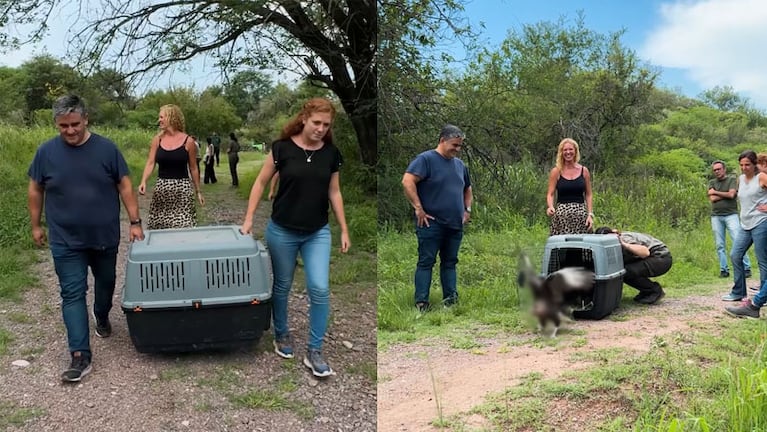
x: 717, y: 43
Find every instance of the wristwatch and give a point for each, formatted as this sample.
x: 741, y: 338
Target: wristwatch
x: 136, y: 222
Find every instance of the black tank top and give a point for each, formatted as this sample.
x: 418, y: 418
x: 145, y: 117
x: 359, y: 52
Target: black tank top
x: 172, y: 164
x: 571, y: 191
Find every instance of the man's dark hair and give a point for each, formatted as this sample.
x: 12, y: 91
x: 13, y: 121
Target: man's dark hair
x: 69, y: 104
x: 719, y: 162
x: 451, y: 131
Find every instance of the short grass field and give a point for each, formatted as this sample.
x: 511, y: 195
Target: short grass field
x: 711, y: 377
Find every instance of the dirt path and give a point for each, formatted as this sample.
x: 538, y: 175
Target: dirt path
x: 407, y: 373
x: 247, y: 390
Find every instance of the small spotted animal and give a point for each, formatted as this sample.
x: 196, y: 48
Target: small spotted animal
x: 550, y: 293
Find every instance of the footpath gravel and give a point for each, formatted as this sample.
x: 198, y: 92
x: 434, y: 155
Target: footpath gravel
x: 250, y: 389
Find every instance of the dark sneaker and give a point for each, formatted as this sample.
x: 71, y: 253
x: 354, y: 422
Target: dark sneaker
x: 80, y: 366
x: 732, y: 297
x: 724, y: 274
x: 103, y: 326
x: 649, y: 298
x: 314, y: 361
x: 748, y: 273
x: 283, y: 347
x: 643, y: 296
x: 450, y: 301
x: 422, y: 306
x: 747, y: 310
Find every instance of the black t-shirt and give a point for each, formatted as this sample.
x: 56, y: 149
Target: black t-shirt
x: 302, y: 199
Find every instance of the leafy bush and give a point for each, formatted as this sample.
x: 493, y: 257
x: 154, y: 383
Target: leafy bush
x: 680, y: 164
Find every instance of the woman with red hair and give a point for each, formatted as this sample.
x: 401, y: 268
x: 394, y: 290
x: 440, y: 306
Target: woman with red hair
x: 308, y: 164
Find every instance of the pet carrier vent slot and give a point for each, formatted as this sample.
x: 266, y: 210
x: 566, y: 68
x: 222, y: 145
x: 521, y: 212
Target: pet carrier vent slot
x: 227, y: 273
x: 612, y: 255
x: 161, y: 277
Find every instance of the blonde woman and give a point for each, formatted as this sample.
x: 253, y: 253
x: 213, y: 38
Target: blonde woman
x: 572, y: 212
x: 178, y: 179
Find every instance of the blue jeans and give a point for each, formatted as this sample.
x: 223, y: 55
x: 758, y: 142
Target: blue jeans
x: 284, y: 245
x: 758, y: 237
x: 72, y: 270
x: 432, y: 239
x: 730, y: 223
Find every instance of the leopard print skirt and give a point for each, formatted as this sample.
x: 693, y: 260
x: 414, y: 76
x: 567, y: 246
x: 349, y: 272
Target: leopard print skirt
x: 569, y: 218
x: 172, y: 204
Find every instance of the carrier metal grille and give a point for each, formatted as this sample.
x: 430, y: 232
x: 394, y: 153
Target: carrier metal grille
x: 162, y: 277
x: 570, y: 257
x: 227, y: 273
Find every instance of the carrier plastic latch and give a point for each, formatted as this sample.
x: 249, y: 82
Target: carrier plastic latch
x: 197, y: 304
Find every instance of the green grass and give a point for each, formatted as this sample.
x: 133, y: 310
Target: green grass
x: 688, y: 381
x: 368, y: 370
x: 273, y: 400
x: 13, y: 415
x: 682, y: 384
x: 5, y: 339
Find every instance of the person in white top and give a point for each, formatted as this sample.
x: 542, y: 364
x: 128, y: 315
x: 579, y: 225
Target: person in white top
x: 752, y: 191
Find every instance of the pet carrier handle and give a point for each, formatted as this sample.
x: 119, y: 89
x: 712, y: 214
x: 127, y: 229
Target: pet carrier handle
x: 577, y: 239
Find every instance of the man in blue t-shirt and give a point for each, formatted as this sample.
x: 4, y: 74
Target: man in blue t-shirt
x: 438, y: 187
x: 81, y: 177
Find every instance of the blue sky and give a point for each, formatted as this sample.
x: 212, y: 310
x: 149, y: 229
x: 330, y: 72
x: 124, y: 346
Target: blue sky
x: 199, y: 74
x: 697, y: 44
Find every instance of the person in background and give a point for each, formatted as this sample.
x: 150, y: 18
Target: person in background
x: 80, y: 177
x: 175, y: 154
x: 234, y: 158
x: 216, y: 140
x: 644, y: 257
x: 573, y: 213
x: 198, y: 156
x: 438, y: 186
x: 722, y: 193
x: 308, y: 164
x: 210, y: 162
x: 752, y: 193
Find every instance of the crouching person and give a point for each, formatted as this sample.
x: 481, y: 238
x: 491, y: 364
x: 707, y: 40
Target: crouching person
x: 644, y: 257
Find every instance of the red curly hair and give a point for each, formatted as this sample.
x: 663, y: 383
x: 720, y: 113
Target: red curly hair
x: 314, y: 105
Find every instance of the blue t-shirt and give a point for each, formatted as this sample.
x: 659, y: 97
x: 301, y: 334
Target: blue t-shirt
x: 82, y: 203
x: 443, y: 182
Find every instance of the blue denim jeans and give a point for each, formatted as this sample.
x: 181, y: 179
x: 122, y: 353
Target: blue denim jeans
x: 758, y: 237
x: 72, y: 270
x: 432, y: 239
x: 284, y: 246
x: 721, y: 225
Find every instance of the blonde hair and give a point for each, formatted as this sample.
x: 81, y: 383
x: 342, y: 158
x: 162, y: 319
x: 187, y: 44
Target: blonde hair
x: 761, y: 158
x: 174, y: 117
x: 560, y: 158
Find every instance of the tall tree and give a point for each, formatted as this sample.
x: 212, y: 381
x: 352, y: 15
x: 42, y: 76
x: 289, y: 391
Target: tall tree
x: 245, y: 90
x: 411, y: 35
x: 47, y: 78
x: 332, y: 43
